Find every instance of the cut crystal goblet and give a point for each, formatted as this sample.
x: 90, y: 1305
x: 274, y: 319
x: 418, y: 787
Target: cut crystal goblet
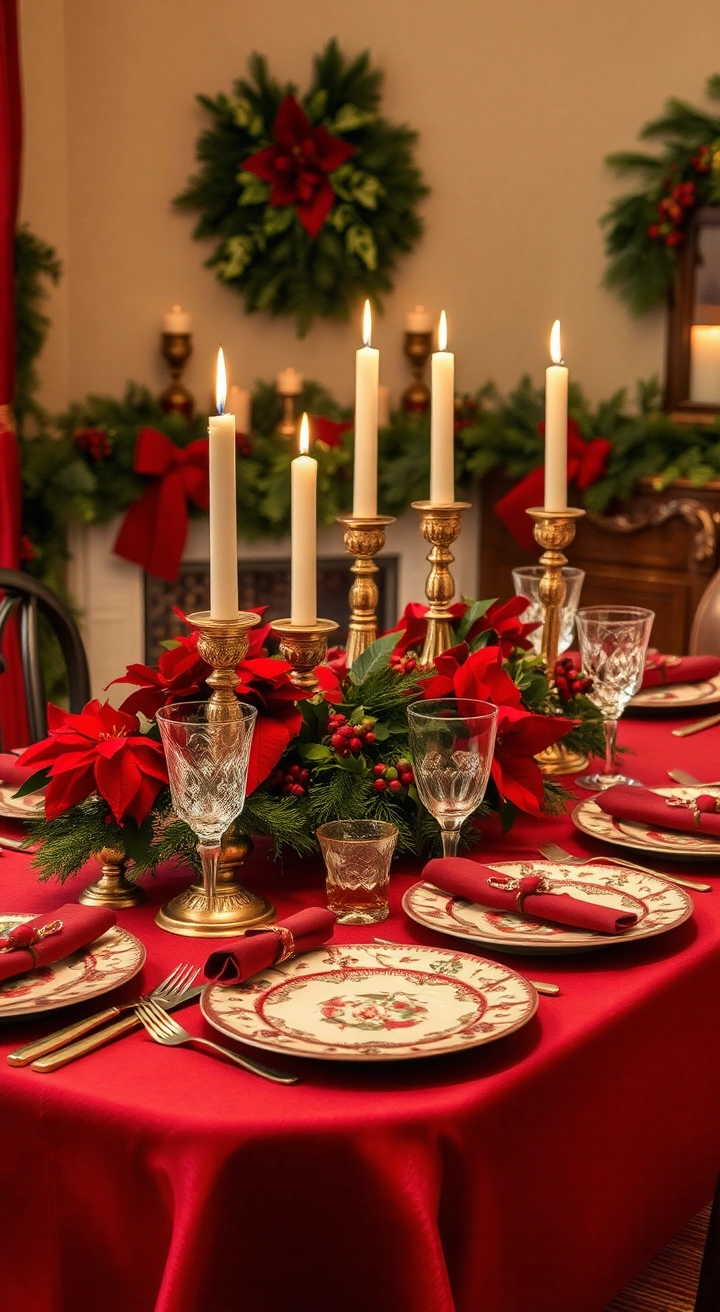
x: 451, y: 742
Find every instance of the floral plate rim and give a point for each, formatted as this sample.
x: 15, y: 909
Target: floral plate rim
x: 82, y: 989
x: 588, y: 817
x: 661, y: 697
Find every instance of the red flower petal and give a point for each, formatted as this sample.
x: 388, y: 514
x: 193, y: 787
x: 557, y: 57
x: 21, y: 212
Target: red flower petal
x: 118, y: 780
x: 291, y: 124
x: 331, y: 151
x: 313, y: 215
x: 262, y: 163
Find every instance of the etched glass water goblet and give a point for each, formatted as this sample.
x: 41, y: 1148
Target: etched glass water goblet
x: 613, y: 645
x: 207, y: 762
x: 451, y: 742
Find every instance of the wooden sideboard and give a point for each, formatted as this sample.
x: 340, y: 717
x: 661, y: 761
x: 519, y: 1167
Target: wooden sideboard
x: 657, y: 549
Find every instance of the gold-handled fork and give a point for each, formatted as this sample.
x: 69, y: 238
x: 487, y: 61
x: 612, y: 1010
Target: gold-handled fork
x: 696, y: 727
x: 165, y: 1029
x: 552, y: 852
x: 689, y: 780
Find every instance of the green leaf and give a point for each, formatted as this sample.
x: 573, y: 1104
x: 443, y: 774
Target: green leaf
x: 473, y: 613
x: 376, y: 657
x: 315, y: 752
x: 40, y: 779
x: 349, y: 118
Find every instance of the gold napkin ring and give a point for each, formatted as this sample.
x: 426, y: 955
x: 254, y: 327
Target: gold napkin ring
x: 523, y: 887
x: 690, y: 804
x: 287, y: 940
x: 13, y: 940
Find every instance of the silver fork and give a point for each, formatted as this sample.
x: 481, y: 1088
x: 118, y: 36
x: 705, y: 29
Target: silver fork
x: 689, y: 780
x: 552, y: 852
x: 166, y: 993
x: 165, y: 1029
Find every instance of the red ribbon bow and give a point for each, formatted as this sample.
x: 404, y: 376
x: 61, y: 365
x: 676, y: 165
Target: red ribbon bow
x: 154, y: 529
x: 586, y: 464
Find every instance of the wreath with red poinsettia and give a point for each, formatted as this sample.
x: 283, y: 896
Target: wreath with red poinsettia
x: 310, y: 200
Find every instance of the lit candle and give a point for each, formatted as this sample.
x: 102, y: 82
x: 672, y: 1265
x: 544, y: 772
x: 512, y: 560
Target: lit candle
x: 303, y: 580
x: 176, y: 320
x: 367, y: 372
x: 223, y: 505
x: 289, y: 382
x: 556, y: 400
x: 442, y: 422
x: 418, y: 320
x: 705, y: 363
x: 239, y: 403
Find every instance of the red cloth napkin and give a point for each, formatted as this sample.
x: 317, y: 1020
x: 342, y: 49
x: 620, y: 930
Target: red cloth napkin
x: 626, y: 802
x: 679, y: 669
x: 80, y: 925
x: 15, y: 775
x: 468, y: 879
x: 259, y: 948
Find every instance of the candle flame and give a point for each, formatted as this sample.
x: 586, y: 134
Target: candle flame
x: 555, y: 347
x: 442, y: 332
x: 304, y: 435
x: 367, y: 324
x: 220, y: 382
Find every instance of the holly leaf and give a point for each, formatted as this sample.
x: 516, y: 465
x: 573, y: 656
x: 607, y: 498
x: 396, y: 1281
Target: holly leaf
x: 315, y: 752
x: 472, y: 614
x: 375, y: 658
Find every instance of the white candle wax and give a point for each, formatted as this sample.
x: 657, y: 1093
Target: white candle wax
x: 303, y: 579
x: 418, y: 320
x: 556, y: 399
x: 289, y: 382
x: 705, y: 364
x: 367, y: 373
x: 383, y: 406
x: 223, y: 507
x: 442, y: 422
x: 239, y: 403
x: 176, y: 320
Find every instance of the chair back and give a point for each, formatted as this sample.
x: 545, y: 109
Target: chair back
x: 26, y: 597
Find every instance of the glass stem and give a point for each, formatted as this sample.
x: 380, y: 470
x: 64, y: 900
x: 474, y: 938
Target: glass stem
x: 610, y: 727
x: 209, y: 855
x: 451, y: 840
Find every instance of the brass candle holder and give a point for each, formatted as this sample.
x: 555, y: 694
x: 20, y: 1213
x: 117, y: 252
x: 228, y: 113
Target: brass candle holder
x: 440, y: 526
x: 364, y: 537
x: 177, y: 349
x: 288, y: 424
x: 554, y: 530
x: 418, y: 349
x: 223, y: 644
x: 113, y: 888
x: 304, y: 646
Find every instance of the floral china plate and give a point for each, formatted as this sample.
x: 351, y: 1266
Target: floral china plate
x: 107, y: 963
x: 19, y: 808
x: 371, y: 1002
x: 660, y: 906
x: 591, y: 819
x: 706, y: 693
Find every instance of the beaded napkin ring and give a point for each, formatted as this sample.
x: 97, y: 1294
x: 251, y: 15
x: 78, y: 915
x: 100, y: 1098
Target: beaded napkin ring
x: 24, y: 936
x: 286, y: 938
x: 691, y: 804
x: 523, y: 886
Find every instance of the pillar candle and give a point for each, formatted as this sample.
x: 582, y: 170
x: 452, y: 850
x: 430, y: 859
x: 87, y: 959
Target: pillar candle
x: 223, y: 506
x: 239, y: 403
x: 367, y: 373
x: 418, y: 320
x: 705, y: 364
x: 289, y: 382
x: 556, y: 399
x: 176, y: 321
x: 303, y: 485
x: 442, y: 422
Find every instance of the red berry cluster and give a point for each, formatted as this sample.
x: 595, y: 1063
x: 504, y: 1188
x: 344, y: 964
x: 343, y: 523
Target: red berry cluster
x: 569, y: 681
x: 392, y: 777
x: 403, y: 664
x: 349, y: 739
x: 93, y: 440
x: 672, y: 211
x: 293, y: 782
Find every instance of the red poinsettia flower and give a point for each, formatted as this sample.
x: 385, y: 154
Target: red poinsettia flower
x: 520, y: 733
x: 100, y: 751
x: 298, y: 163
x: 502, y: 618
x: 329, y: 431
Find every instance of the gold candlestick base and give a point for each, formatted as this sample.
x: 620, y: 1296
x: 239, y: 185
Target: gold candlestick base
x: 439, y: 525
x: 288, y: 424
x: 223, y: 644
x: 177, y: 349
x: 113, y: 888
x: 558, y: 760
x: 363, y: 538
x: 304, y: 646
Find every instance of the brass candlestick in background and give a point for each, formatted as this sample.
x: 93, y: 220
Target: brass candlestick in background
x: 222, y: 643
x: 113, y: 888
x: 363, y: 538
x: 440, y: 526
x: 554, y: 530
x: 288, y: 425
x: 177, y: 349
x: 418, y: 349
x: 304, y: 646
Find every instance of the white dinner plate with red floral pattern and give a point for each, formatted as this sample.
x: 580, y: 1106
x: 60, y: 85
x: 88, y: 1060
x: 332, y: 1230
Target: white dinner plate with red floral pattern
x: 672, y: 695
x: 107, y: 963
x: 588, y: 817
x: 370, y: 1002
x: 660, y: 906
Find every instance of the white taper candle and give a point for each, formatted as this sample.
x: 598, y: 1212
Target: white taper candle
x: 442, y: 422
x: 223, y: 505
x: 303, y: 486
x: 556, y: 417
x: 367, y: 374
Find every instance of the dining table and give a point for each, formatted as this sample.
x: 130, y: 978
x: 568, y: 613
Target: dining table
x: 538, y: 1173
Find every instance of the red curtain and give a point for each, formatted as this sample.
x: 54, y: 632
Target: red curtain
x: 13, y: 718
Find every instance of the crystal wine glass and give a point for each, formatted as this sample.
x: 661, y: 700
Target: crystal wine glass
x: 207, y: 762
x: 452, y: 741
x: 613, y: 644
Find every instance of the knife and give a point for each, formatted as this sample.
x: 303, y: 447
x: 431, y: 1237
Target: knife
x: 54, y: 1060
x: 696, y: 727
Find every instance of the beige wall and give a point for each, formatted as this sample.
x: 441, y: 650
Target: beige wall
x: 516, y: 101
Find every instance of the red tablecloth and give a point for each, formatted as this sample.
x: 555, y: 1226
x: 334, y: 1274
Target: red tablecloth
x: 538, y: 1174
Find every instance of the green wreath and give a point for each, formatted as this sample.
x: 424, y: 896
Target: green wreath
x: 310, y: 202
x: 646, y: 229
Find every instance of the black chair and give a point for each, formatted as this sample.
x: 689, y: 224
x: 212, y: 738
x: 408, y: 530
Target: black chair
x: 708, y: 1292
x: 25, y: 597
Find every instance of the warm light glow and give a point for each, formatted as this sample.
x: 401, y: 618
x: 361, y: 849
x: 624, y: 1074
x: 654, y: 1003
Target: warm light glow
x: 304, y: 435
x: 220, y: 382
x: 442, y: 332
x: 177, y: 309
x: 367, y: 324
x: 555, y: 347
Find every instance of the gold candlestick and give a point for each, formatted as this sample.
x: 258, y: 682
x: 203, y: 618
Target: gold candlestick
x: 363, y: 538
x: 233, y: 909
x: 288, y: 424
x: 439, y: 525
x: 418, y: 349
x: 177, y: 349
x: 304, y: 646
x: 553, y: 530
x: 113, y: 888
